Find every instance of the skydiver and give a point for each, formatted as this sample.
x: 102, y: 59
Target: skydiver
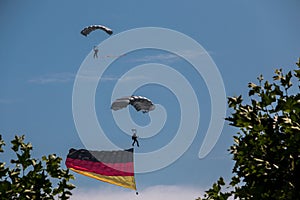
x: 134, y: 138
x: 95, y: 51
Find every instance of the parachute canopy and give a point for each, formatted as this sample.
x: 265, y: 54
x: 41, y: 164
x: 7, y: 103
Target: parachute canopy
x: 87, y: 30
x: 138, y: 102
x: 115, y: 167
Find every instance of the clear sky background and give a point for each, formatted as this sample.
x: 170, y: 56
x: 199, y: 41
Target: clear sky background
x: 41, y: 50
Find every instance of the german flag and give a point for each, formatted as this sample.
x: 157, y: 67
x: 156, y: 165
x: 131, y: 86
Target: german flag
x: 115, y: 167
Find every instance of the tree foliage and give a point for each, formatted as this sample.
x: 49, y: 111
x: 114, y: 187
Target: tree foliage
x: 30, y: 178
x: 266, y: 150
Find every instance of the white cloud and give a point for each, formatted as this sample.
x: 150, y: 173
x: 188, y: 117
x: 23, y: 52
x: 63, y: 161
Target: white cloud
x: 127, y: 78
x: 5, y: 101
x: 158, y: 57
x: 92, y: 77
x: 159, y: 192
x: 53, y: 78
x: 168, y: 57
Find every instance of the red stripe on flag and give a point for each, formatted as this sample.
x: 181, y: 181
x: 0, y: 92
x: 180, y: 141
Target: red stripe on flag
x: 106, y: 169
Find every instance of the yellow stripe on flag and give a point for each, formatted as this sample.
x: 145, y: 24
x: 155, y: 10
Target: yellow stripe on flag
x: 124, y: 181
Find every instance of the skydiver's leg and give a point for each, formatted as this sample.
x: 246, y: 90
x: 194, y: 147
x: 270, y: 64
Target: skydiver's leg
x: 135, y: 141
x: 96, y: 53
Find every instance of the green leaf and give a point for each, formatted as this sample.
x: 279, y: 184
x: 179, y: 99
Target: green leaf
x: 31, y: 178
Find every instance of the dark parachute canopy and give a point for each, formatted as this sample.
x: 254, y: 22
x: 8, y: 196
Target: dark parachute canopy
x: 138, y: 102
x: 87, y: 30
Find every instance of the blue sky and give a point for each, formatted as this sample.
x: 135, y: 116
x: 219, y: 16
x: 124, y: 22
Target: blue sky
x: 41, y: 51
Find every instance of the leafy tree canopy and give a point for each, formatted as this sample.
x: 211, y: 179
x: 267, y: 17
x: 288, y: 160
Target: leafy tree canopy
x: 266, y: 150
x: 30, y: 178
